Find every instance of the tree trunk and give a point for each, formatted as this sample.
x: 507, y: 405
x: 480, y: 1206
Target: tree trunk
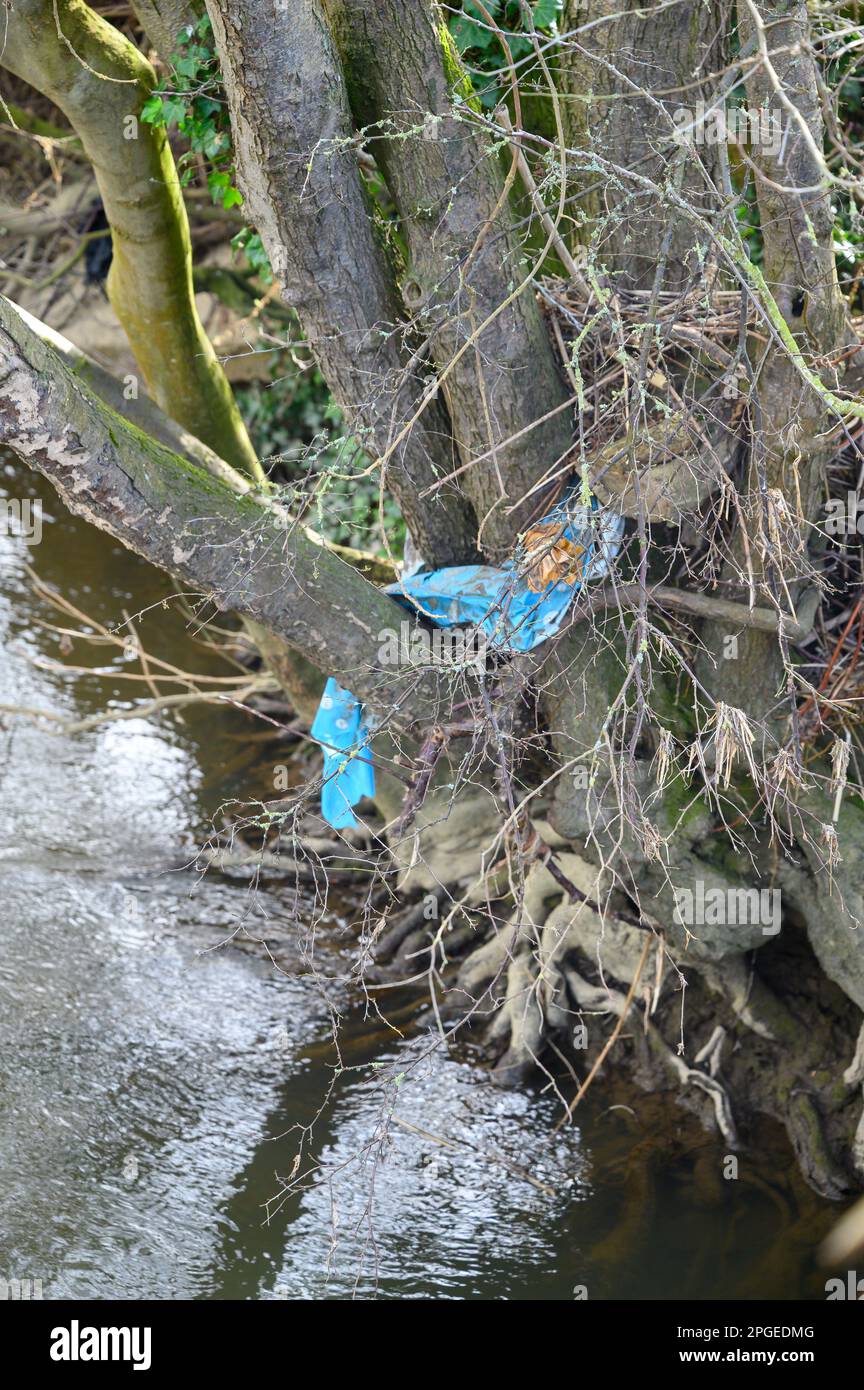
x: 466, y: 282
x: 614, y: 63
x: 207, y: 528
x: 162, y: 21
x: 100, y: 81
x: 787, y: 465
x: 297, y: 162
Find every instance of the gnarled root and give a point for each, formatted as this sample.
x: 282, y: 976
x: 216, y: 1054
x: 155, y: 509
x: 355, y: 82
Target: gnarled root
x: 548, y: 951
x: 561, y: 962
x: 587, y: 996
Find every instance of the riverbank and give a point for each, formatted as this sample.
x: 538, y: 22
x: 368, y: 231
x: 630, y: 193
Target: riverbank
x: 161, y: 1075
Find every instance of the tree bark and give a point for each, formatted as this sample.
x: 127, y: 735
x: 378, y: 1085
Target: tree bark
x: 588, y: 868
x: 466, y: 282
x: 297, y: 163
x: 787, y: 456
x: 614, y: 61
x: 100, y: 82
x: 162, y: 21
x: 205, y: 527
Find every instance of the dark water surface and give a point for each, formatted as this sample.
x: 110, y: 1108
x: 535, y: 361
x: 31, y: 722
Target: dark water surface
x: 157, y: 1075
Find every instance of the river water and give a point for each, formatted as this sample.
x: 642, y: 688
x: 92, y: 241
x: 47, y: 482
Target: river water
x: 159, y: 1077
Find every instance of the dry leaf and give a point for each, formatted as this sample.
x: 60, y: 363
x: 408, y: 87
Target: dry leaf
x: 549, y: 556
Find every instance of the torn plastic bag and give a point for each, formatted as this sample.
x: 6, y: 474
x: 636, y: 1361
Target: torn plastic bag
x: 516, y: 607
x: 343, y: 734
x: 508, y: 604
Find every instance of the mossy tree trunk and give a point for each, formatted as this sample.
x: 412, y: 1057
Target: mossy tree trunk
x: 100, y: 81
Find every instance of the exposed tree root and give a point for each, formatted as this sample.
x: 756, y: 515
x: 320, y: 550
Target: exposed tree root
x: 587, y: 996
x: 535, y: 974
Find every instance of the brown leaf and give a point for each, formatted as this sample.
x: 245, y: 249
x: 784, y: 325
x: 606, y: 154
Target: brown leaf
x: 550, y: 557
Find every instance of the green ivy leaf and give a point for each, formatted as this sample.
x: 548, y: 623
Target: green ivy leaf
x: 546, y: 12
x: 187, y: 66
x: 152, y: 112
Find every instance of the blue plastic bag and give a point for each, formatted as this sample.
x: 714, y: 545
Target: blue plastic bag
x: 342, y: 732
x: 497, y: 603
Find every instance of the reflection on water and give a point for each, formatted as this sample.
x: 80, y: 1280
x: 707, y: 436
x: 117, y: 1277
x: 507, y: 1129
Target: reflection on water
x: 157, y: 1083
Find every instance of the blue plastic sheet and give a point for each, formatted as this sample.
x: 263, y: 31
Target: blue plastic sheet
x: 498, y: 604
x: 343, y: 734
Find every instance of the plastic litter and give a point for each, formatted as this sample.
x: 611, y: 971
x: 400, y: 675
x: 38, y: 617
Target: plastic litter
x: 514, y: 607
x: 344, y: 734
